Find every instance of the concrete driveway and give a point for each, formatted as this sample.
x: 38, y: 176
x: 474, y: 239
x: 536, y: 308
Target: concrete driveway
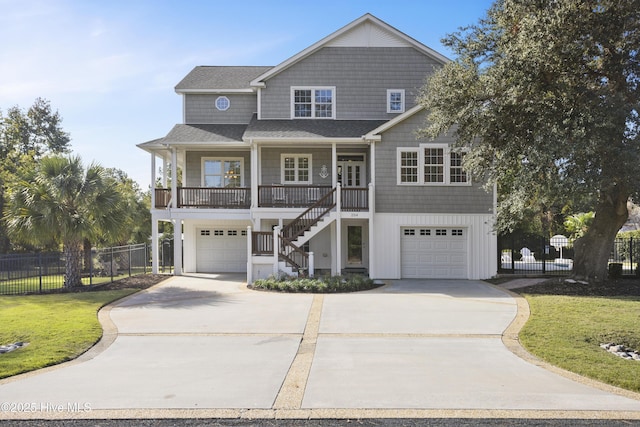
x: 207, y: 346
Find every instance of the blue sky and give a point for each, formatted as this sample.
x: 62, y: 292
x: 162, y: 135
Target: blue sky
x: 110, y: 67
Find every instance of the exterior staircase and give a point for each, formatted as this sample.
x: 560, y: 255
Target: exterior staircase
x: 292, y: 259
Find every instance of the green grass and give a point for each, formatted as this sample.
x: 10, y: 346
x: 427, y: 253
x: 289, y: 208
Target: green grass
x: 567, y: 331
x: 58, y: 327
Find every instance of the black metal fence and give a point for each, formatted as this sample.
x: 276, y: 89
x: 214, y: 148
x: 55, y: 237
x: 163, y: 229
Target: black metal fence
x: 535, y: 255
x: 44, y: 272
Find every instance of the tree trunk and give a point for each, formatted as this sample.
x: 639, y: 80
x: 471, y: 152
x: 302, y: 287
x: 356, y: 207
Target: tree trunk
x: 72, y: 264
x: 592, y: 251
x: 87, y: 255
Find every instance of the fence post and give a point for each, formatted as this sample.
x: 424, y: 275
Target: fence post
x: 129, y: 260
x: 544, y: 254
x: 145, y: 259
x: 91, y: 267
x: 40, y: 271
x: 111, y: 264
x: 631, y: 253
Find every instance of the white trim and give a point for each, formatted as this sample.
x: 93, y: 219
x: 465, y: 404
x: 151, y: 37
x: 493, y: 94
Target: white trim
x: 296, y: 156
x: 259, y: 112
x: 222, y: 160
x: 222, y: 98
x: 402, y: 101
x: 313, y: 89
x: 208, y: 91
x: 374, y: 135
x: 259, y: 81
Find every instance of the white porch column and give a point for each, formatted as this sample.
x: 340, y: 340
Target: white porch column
x: 372, y: 237
x: 338, y: 229
x: 334, y: 165
x: 276, y: 245
x: 177, y: 247
x: 254, y: 175
x: 311, y: 264
x: 153, y: 180
x: 174, y: 178
x: 249, y: 256
x: 155, y: 244
x: 165, y: 171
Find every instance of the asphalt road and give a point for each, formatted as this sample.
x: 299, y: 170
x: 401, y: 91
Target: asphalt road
x: 435, y: 422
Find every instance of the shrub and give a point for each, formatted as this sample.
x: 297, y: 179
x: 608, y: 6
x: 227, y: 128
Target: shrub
x: 328, y: 284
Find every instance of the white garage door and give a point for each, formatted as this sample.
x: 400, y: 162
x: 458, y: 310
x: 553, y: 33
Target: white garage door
x: 435, y: 253
x: 221, y: 250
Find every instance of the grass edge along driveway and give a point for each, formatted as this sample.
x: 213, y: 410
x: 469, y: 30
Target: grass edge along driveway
x: 57, y: 327
x: 566, y: 331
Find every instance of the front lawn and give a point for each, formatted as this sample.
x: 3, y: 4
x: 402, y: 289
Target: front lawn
x: 569, y: 322
x: 57, y: 327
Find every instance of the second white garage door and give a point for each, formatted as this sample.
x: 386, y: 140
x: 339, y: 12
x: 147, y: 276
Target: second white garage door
x: 221, y: 250
x: 433, y: 253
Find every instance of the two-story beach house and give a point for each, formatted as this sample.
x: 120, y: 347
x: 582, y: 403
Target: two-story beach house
x: 313, y: 166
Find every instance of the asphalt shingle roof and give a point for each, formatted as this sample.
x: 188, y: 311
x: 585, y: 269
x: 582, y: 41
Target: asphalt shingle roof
x: 310, y: 128
x: 205, y: 133
x: 215, y: 77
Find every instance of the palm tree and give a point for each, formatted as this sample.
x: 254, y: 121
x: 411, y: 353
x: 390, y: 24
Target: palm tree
x: 58, y: 201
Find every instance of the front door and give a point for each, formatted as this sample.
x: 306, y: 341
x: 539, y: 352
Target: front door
x: 354, y: 246
x: 351, y: 170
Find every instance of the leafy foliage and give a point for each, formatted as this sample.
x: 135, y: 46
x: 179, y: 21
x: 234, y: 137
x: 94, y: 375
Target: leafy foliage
x: 330, y: 284
x: 545, y: 96
x: 59, y: 202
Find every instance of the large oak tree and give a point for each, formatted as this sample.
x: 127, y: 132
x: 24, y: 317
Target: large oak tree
x: 545, y: 96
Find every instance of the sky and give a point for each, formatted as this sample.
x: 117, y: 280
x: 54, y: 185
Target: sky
x: 110, y: 67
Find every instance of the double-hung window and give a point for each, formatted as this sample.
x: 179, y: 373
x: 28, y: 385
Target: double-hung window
x: 222, y: 172
x: 296, y: 168
x: 431, y: 164
x: 313, y: 102
x: 395, y: 100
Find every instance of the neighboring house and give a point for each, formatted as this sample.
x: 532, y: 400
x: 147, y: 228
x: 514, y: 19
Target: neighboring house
x: 313, y: 166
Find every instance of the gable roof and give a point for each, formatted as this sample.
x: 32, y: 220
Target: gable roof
x: 220, y: 79
x: 366, y: 31
x: 374, y: 134
x: 309, y: 129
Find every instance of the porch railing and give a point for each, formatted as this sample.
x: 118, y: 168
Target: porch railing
x: 291, y: 196
x: 311, y: 216
x: 269, y: 196
x: 163, y: 197
x: 262, y: 243
x: 354, y: 199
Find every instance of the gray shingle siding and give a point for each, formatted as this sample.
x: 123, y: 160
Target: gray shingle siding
x: 271, y: 170
x: 391, y: 197
x: 361, y: 77
x: 201, y: 109
x: 194, y: 165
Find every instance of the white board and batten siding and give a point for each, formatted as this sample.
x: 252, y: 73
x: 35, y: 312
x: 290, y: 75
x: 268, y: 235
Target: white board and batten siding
x: 456, y: 246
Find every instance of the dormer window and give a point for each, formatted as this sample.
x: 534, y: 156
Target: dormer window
x: 313, y: 102
x: 395, y: 100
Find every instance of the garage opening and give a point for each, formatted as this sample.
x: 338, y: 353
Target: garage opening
x: 221, y: 250
x: 433, y: 253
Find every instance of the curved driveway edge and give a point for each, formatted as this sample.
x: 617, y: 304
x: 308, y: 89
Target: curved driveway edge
x: 205, y: 346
